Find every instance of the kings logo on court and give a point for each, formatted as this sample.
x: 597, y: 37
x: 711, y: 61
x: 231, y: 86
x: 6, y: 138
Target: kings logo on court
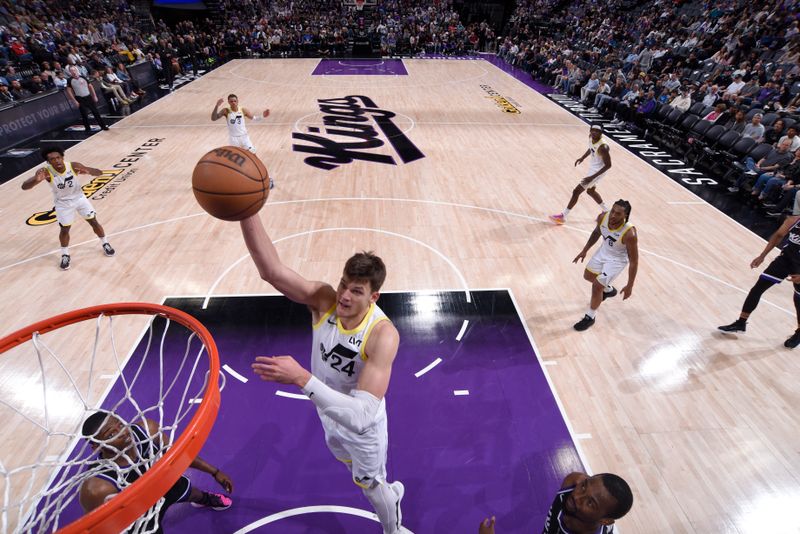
x: 350, y: 134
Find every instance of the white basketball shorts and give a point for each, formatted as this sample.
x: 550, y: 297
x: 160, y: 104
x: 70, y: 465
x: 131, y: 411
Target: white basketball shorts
x: 364, y: 453
x: 242, y: 141
x: 606, y: 267
x: 65, y: 210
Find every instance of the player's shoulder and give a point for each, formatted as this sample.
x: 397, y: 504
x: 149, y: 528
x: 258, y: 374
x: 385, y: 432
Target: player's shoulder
x: 384, y: 332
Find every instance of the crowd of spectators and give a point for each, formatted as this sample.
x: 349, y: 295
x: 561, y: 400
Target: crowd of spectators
x: 731, y: 63
x: 40, y: 40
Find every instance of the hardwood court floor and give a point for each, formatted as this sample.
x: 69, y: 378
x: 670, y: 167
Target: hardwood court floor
x: 702, y: 426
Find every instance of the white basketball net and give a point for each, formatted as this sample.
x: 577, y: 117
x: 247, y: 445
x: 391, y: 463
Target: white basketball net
x: 43, y: 457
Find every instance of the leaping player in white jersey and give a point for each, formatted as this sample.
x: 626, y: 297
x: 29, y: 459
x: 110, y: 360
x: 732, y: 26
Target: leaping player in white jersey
x: 598, y: 166
x: 354, y: 346
x: 68, y: 197
x: 237, y: 131
x: 620, y: 246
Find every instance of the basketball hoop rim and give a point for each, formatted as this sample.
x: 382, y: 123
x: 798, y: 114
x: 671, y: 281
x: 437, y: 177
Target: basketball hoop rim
x: 117, y: 514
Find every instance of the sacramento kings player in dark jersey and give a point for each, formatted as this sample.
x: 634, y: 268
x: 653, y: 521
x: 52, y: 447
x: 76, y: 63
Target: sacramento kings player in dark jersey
x: 130, y: 447
x: 786, y: 266
x: 583, y: 505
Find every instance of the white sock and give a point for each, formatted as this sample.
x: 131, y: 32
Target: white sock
x: 565, y: 212
x: 591, y: 313
x: 65, y: 251
x: 386, y: 504
x: 103, y: 240
x: 608, y: 289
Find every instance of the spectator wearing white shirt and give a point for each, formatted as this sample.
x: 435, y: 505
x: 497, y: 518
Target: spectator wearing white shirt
x: 792, y: 137
x: 683, y: 101
x: 732, y: 91
x: 712, y: 95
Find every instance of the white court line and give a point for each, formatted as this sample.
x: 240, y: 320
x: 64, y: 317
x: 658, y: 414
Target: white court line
x: 114, y: 234
x: 428, y: 367
x: 549, y: 362
x: 195, y: 401
x: 280, y: 393
x: 360, y: 65
x: 234, y: 374
x: 307, y: 510
x: 360, y: 83
x: 460, y: 392
x: 560, y: 405
x: 463, y: 329
x: 347, y: 229
x: 583, y: 436
x: 420, y: 201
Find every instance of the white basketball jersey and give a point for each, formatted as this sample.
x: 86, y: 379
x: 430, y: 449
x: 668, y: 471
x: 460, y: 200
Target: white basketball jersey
x: 235, y: 121
x: 65, y: 185
x: 337, y: 355
x: 612, y: 239
x: 596, y: 163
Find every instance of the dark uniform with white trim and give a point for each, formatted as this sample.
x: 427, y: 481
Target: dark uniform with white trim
x: 123, y: 476
x: 553, y: 525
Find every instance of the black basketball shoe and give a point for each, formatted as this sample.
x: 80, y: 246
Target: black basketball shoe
x: 583, y: 324
x: 793, y: 341
x: 739, y: 325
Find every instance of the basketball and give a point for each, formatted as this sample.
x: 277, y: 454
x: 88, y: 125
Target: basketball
x: 230, y: 183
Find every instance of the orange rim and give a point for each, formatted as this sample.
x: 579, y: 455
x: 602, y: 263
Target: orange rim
x: 115, y: 515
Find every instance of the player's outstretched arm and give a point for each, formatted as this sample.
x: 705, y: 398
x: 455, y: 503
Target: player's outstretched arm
x: 83, y: 169
x: 580, y: 159
x: 358, y: 410
x: 40, y: 176
x: 632, y: 246
x: 216, y: 113
x: 254, y: 117
x: 774, y: 239
x: 159, y: 438
x: 318, y: 296
x: 592, y: 240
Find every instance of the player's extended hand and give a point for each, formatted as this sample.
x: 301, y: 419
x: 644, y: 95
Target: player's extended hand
x: 220, y: 101
x: 281, y: 369
x: 580, y: 257
x: 225, y: 481
x: 486, y: 526
x: 794, y: 278
x: 266, y: 113
x: 626, y: 292
x: 756, y: 262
